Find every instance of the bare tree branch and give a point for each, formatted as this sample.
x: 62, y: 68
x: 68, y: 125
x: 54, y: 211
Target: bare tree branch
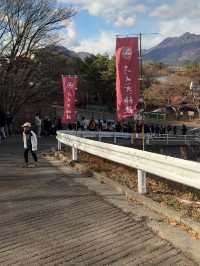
x: 25, y: 27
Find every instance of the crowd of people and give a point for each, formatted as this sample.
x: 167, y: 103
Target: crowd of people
x: 45, y: 127
x: 48, y: 126
x: 161, y: 129
x: 128, y: 127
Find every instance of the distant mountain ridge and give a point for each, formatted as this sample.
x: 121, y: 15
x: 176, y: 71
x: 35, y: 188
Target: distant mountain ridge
x: 68, y: 53
x: 175, y: 50
x: 171, y: 51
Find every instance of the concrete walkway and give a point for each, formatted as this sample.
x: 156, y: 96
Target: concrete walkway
x: 46, y: 218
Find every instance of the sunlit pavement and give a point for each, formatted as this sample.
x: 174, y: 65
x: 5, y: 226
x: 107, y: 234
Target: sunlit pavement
x: 49, y: 219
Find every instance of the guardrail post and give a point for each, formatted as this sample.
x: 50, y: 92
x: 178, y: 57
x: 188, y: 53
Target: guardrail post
x: 142, y: 188
x: 185, y: 139
x: 115, y: 138
x: 74, y: 153
x: 167, y: 139
x: 100, y: 136
x: 132, y: 138
x: 148, y: 139
x: 59, y: 145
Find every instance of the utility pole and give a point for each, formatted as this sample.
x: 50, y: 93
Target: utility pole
x: 141, y: 85
x: 141, y: 90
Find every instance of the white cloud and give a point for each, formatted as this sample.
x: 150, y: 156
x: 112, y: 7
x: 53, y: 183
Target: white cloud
x: 177, y: 27
x: 178, y: 17
x: 120, y: 12
x: 150, y: 41
x: 95, y: 8
x: 140, y: 8
x: 104, y: 44
x: 178, y: 9
x: 173, y: 18
x: 125, y: 22
x: 69, y: 35
x: 71, y: 32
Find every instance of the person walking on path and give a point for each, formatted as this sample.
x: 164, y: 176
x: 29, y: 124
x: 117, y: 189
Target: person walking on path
x: 9, y: 123
x: 2, y: 125
x: 184, y: 129
x: 174, y: 130
x: 30, y: 143
x: 38, y: 125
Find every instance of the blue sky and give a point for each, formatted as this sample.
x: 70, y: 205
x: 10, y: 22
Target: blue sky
x: 97, y: 22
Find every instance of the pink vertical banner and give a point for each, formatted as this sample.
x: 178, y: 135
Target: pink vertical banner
x: 127, y: 77
x: 69, y: 90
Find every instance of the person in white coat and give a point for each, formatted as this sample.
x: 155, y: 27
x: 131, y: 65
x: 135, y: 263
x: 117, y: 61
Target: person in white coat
x: 30, y: 143
x: 38, y: 125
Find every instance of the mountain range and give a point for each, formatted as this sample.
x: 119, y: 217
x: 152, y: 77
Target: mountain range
x: 175, y: 50
x: 68, y: 53
x: 171, y: 51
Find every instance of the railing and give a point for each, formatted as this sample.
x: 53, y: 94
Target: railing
x: 178, y: 170
x: 101, y: 135
x: 149, y: 138
x: 173, y: 139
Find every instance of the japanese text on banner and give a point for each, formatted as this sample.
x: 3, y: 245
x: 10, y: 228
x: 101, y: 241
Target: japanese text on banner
x: 127, y: 77
x: 69, y: 89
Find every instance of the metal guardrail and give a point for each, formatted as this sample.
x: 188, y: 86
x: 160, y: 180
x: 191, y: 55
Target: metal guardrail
x: 149, y: 139
x: 174, y: 169
x: 101, y: 135
x: 173, y: 139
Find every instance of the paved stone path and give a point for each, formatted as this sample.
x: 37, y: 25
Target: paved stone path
x: 46, y: 218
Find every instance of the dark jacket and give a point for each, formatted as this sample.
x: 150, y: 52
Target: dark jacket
x: 2, y: 119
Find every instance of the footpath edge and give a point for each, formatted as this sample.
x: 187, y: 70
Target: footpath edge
x: 177, y: 237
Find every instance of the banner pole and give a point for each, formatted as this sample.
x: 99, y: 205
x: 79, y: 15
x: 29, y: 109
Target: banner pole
x: 76, y: 128
x: 141, y: 89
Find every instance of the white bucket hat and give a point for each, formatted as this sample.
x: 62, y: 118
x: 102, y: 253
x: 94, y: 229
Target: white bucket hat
x: 27, y: 124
